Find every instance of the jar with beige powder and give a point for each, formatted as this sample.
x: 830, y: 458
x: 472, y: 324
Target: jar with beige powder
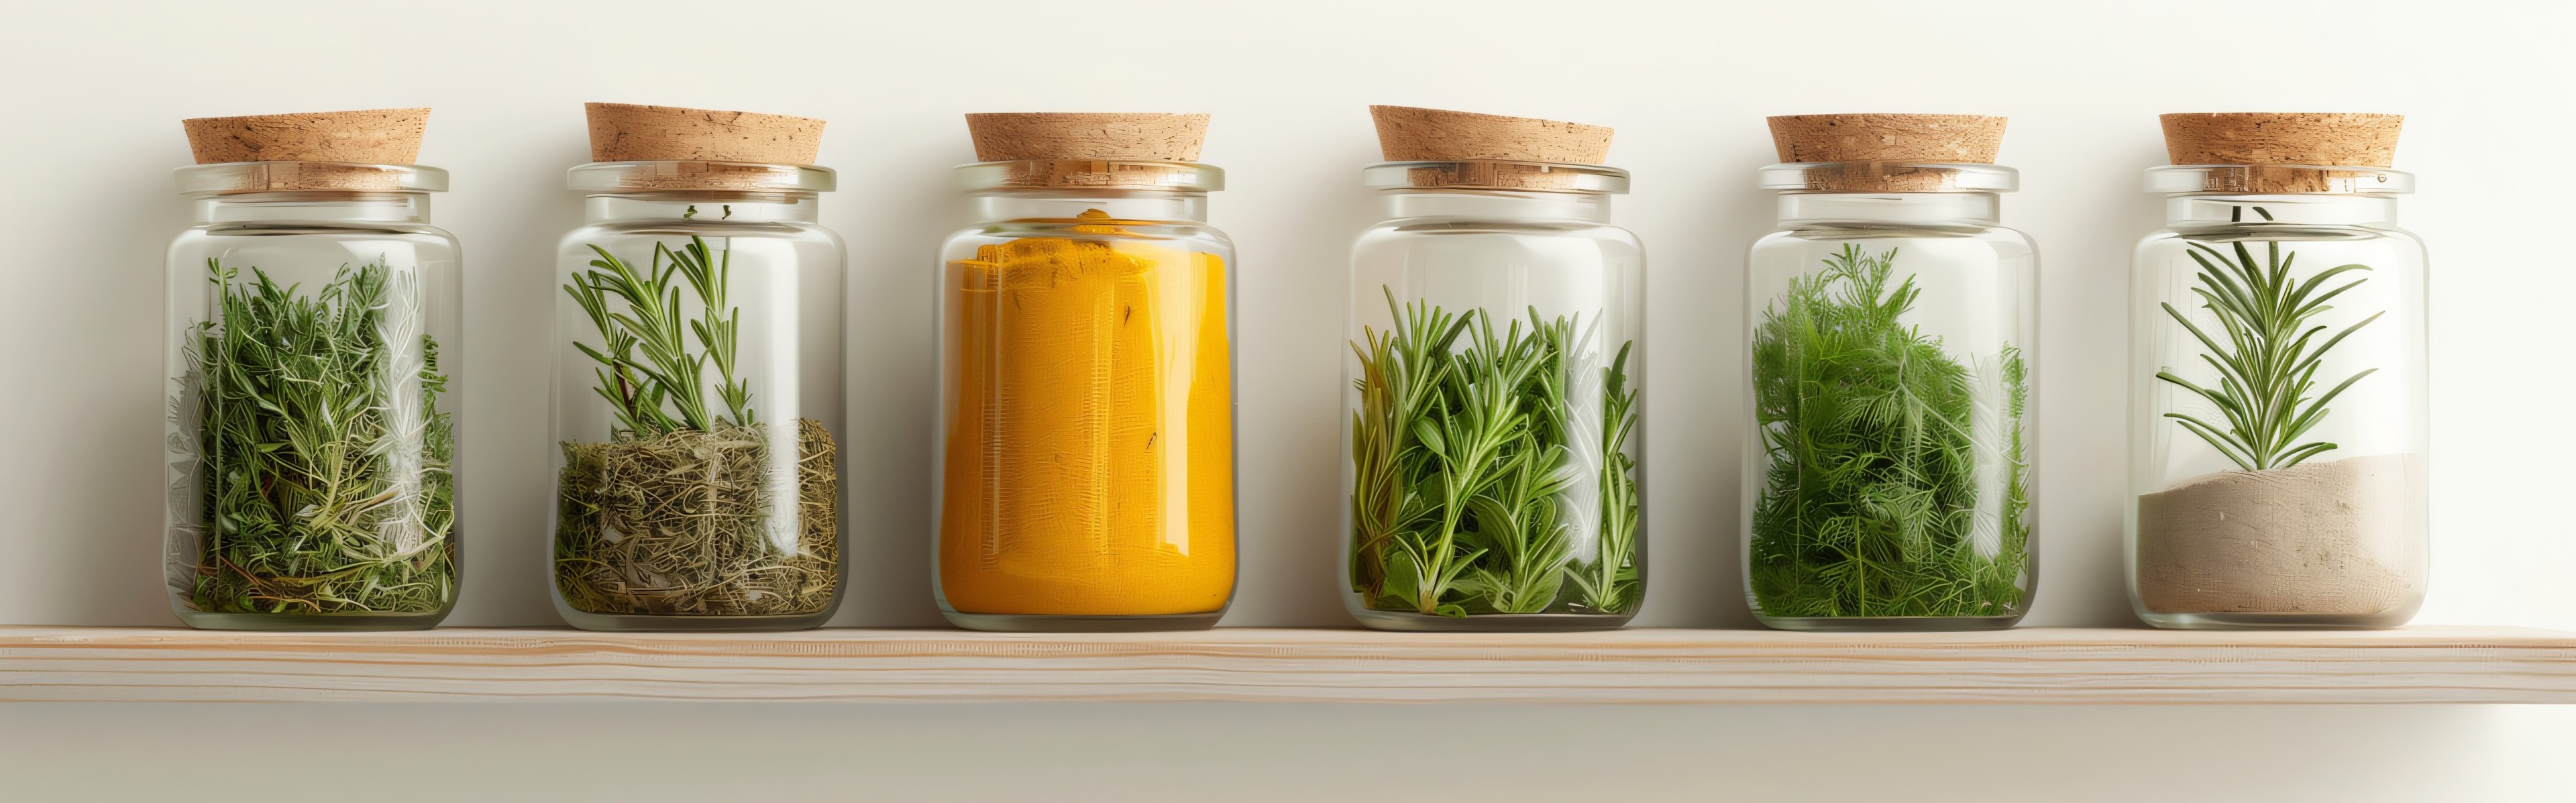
x: 2277, y: 379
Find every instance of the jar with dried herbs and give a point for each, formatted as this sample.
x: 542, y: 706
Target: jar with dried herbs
x: 1494, y: 460
x: 1085, y: 440
x: 1892, y: 329
x: 310, y: 450
x: 2278, y: 433
x: 698, y: 377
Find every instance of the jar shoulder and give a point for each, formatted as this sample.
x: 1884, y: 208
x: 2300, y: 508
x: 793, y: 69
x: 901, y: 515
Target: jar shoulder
x: 1435, y: 227
x: 2004, y: 241
x: 1433, y: 235
x: 196, y: 243
x: 618, y: 229
x: 2390, y: 236
x: 1191, y: 237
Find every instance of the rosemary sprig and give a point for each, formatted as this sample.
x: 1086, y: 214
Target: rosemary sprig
x: 1464, y: 458
x: 654, y: 322
x: 2268, y: 365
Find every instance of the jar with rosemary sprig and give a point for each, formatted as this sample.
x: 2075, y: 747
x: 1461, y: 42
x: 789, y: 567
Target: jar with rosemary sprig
x: 697, y: 380
x: 1494, y: 457
x: 2278, y: 391
x: 1085, y: 441
x: 310, y: 448
x: 1891, y: 330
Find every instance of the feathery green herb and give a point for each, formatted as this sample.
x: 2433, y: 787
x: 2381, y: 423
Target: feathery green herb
x: 673, y: 514
x: 1871, y: 503
x: 324, y: 462
x: 1465, y: 461
x: 2268, y: 365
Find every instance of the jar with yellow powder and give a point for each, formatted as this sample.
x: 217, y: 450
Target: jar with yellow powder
x: 1085, y: 441
x: 698, y: 377
x: 1494, y: 456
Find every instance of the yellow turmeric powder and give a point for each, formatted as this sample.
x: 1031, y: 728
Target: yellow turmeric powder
x: 1090, y: 450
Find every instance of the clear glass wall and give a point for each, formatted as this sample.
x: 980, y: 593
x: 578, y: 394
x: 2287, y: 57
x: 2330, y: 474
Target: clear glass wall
x: 1085, y: 441
x: 2278, y: 403
x: 1494, y: 450
x: 1893, y: 338
x: 697, y: 402
x: 313, y: 361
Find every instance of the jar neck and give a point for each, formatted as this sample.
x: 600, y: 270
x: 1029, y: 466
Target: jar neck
x: 701, y: 206
x: 312, y: 206
x: 2274, y: 211
x: 1494, y: 204
x: 993, y: 205
x: 1975, y: 209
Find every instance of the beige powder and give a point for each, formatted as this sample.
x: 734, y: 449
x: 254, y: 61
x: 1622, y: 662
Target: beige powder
x: 2337, y: 537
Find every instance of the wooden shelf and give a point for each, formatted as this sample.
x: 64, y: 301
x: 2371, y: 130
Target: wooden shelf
x: 2027, y: 665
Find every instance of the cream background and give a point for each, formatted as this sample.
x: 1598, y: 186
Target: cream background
x: 96, y: 90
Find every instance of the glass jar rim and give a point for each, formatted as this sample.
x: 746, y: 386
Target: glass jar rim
x: 1496, y: 174
x: 237, y: 177
x: 1888, y: 177
x: 2278, y: 180
x: 1076, y: 174
x: 670, y: 175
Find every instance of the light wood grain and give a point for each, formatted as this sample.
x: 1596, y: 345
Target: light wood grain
x: 2027, y: 665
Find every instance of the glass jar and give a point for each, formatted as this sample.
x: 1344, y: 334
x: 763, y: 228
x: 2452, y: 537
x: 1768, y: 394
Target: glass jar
x: 1494, y: 456
x: 311, y: 445
x: 1085, y: 437
x: 2278, y: 398
x: 1892, y: 338
x: 697, y: 392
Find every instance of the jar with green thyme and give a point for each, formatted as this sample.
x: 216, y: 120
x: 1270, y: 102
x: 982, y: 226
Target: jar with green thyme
x: 310, y: 449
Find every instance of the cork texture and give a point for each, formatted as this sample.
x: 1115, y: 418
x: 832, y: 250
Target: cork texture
x: 1074, y: 136
x: 1408, y: 134
x: 372, y: 136
x: 1935, y: 138
x: 621, y: 132
x: 2330, y: 139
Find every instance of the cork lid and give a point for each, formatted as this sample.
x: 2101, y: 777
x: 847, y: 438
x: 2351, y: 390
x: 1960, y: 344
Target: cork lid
x: 1927, y: 138
x: 1408, y: 134
x: 622, y: 132
x: 1889, y: 152
x: 1074, y: 136
x: 2282, y: 138
x: 373, y: 136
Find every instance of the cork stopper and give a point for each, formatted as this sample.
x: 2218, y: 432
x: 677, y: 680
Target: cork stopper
x: 622, y: 132
x: 1078, y: 136
x: 1933, y: 138
x: 1874, y: 149
x: 2282, y: 138
x: 1408, y: 134
x: 373, y: 136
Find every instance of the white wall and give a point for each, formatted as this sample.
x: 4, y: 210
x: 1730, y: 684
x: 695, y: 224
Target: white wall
x: 96, y: 90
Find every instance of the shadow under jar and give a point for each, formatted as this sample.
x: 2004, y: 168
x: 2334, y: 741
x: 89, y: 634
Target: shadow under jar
x: 1892, y: 328
x: 1085, y: 441
x: 2278, y: 381
x: 314, y: 325
x: 697, y: 389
